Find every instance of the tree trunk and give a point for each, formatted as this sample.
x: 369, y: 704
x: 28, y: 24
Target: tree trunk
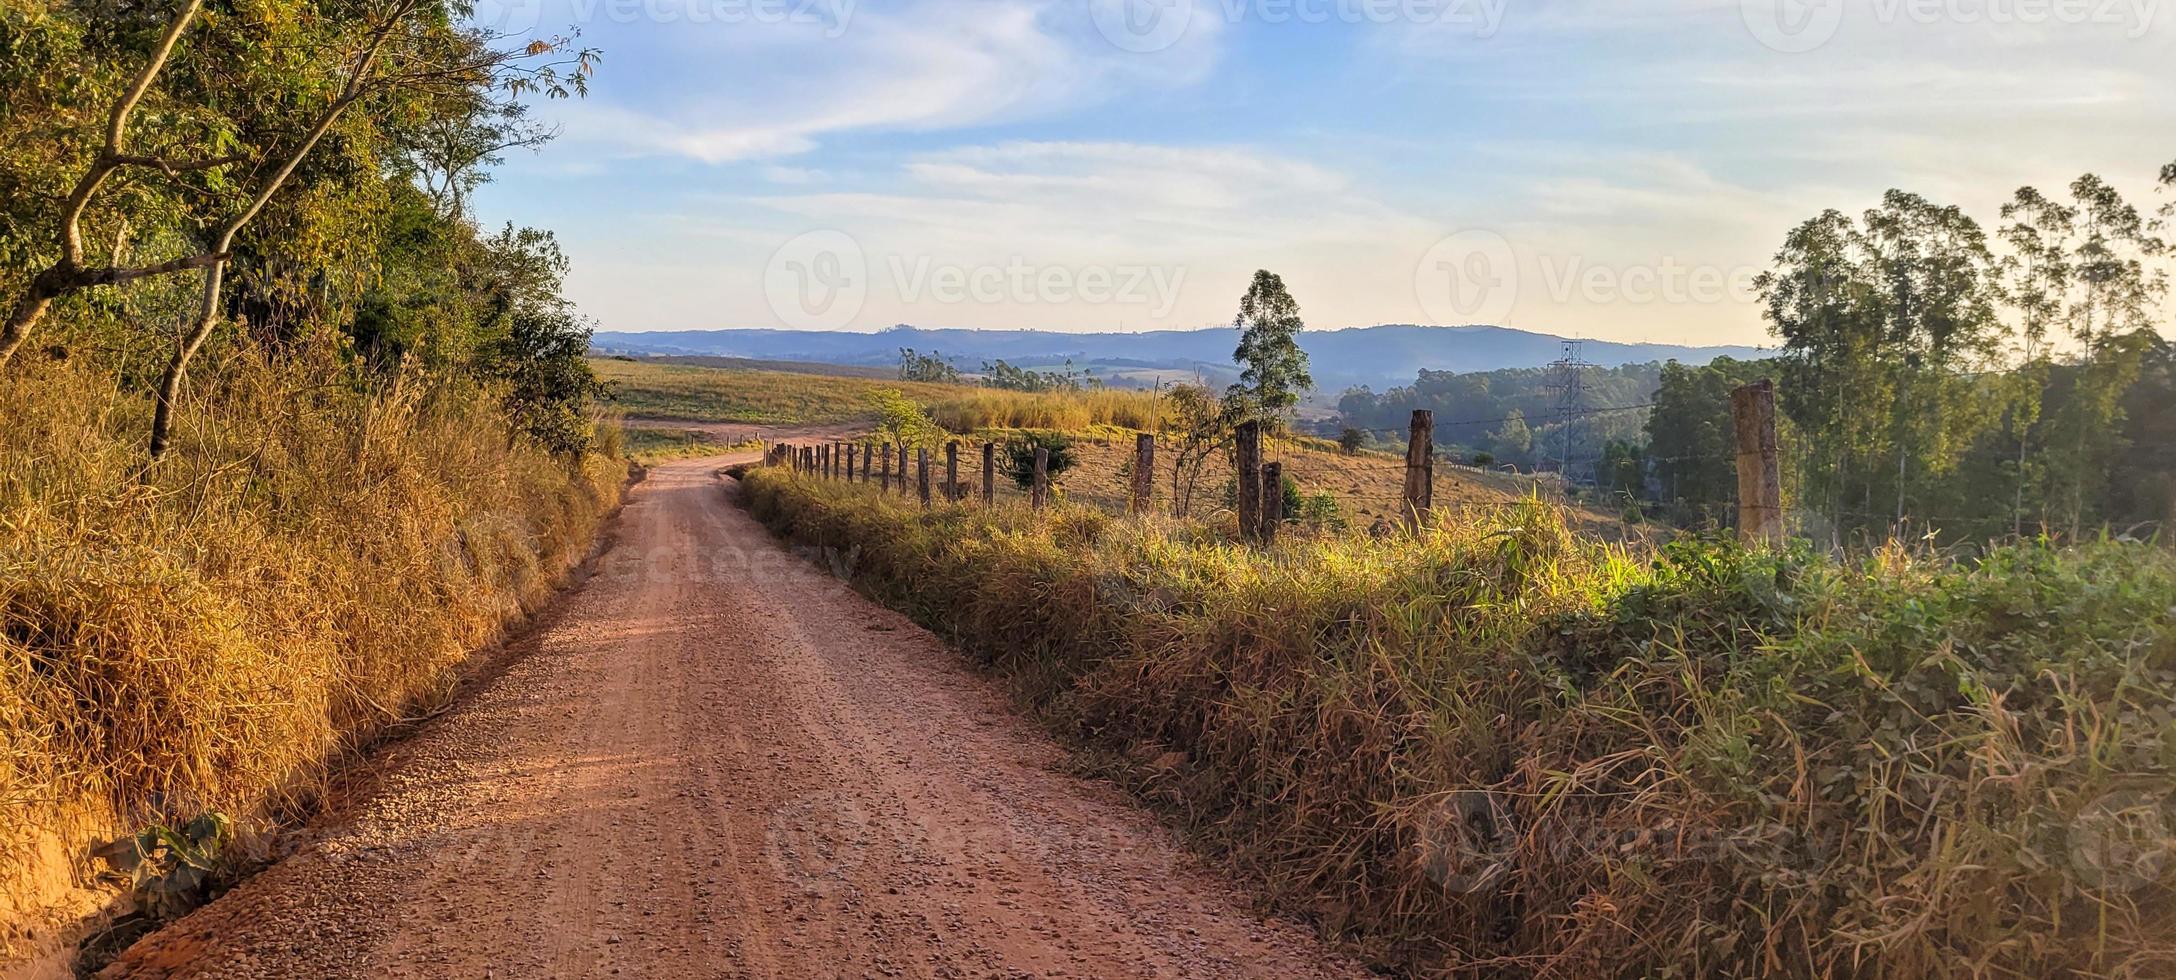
x: 25, y: 316
x: 162, y: 416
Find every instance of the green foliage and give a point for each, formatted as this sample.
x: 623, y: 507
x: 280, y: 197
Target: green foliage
x: 1692, y: 443
x: 171, y: 870
x: 902, y: 421
x: 1001, y: 375
x: 1199, y: 425
x: 1494, y: 748
x: 547, y: 385
x: 1273, y: 372
x: 1467, y: 403
x: 1319, y: 509
x: 930, y: 368
x: 1920, y: 372
x: 1514, y: 441
x: 1020, y: 457
x: 1352, y: 440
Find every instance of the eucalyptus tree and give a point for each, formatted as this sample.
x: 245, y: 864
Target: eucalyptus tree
x: 1274, y: 370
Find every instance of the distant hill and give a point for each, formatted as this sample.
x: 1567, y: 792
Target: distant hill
x: 1376, y: 356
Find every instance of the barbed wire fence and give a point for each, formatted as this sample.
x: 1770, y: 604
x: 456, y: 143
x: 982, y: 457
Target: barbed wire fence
x: 1366, y: 490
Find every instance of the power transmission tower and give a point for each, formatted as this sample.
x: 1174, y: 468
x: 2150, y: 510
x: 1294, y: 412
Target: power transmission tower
x: 1568, y: 378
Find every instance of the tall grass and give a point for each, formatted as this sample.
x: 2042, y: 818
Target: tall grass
x: 969, y: 409
x: 302, y: 570
x: 1498, y: 750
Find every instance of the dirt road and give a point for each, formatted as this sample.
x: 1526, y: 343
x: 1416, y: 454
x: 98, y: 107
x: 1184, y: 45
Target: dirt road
x: 718, y: 761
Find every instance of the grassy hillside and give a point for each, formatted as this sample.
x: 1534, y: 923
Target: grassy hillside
x: 1501, y: 750
x: 707, y: 394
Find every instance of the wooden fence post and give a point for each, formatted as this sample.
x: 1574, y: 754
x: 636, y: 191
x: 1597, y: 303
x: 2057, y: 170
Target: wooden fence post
x: 1144, y: 471
x: 921, y: 457
x: 903, y: 479
x: 1247, y: 453
x: 1042, y: 478
x: 1272, y: 500
x: 1760, y: 475
x: 1420, y: 468
x: 989, y: 473
x: 952, y: 472
x: 851, y: 449
x: 868, y: 461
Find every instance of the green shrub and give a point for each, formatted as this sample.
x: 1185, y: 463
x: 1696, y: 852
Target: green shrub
x: 1020, y: 457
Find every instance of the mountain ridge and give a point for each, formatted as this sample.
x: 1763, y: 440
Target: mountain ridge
x: 1376, y: 356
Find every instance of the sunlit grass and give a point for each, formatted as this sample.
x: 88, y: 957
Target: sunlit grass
x: 1498, y: 748
x: 301, y: 571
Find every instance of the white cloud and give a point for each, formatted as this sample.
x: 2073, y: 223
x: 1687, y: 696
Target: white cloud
x: 775, y: 90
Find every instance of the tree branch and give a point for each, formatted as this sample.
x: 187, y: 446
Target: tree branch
x: 109, y: 156
x: 116, y: 275
x: 174, y: 167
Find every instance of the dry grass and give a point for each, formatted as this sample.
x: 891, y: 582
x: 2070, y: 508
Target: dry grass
x: 708, y: 394
x: 969, y: 409
x: 713, y: 394
x: 1500, y: 750
x: 301, y: 571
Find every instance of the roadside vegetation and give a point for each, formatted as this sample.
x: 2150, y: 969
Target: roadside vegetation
x: 1497, y: 748
x: 284, y: 435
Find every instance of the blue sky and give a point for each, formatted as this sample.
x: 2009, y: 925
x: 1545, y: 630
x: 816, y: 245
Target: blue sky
x: 1614, y: 170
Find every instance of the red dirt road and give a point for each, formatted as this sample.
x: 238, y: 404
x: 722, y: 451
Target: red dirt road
x: 718, y: 761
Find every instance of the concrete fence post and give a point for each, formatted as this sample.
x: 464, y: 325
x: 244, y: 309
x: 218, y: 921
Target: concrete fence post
x: 1420, y: 468
x: 1760, y: 474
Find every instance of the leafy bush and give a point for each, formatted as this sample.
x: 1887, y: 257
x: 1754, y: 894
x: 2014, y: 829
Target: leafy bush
x: 1493, y: 749
x: 1020, y: 457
